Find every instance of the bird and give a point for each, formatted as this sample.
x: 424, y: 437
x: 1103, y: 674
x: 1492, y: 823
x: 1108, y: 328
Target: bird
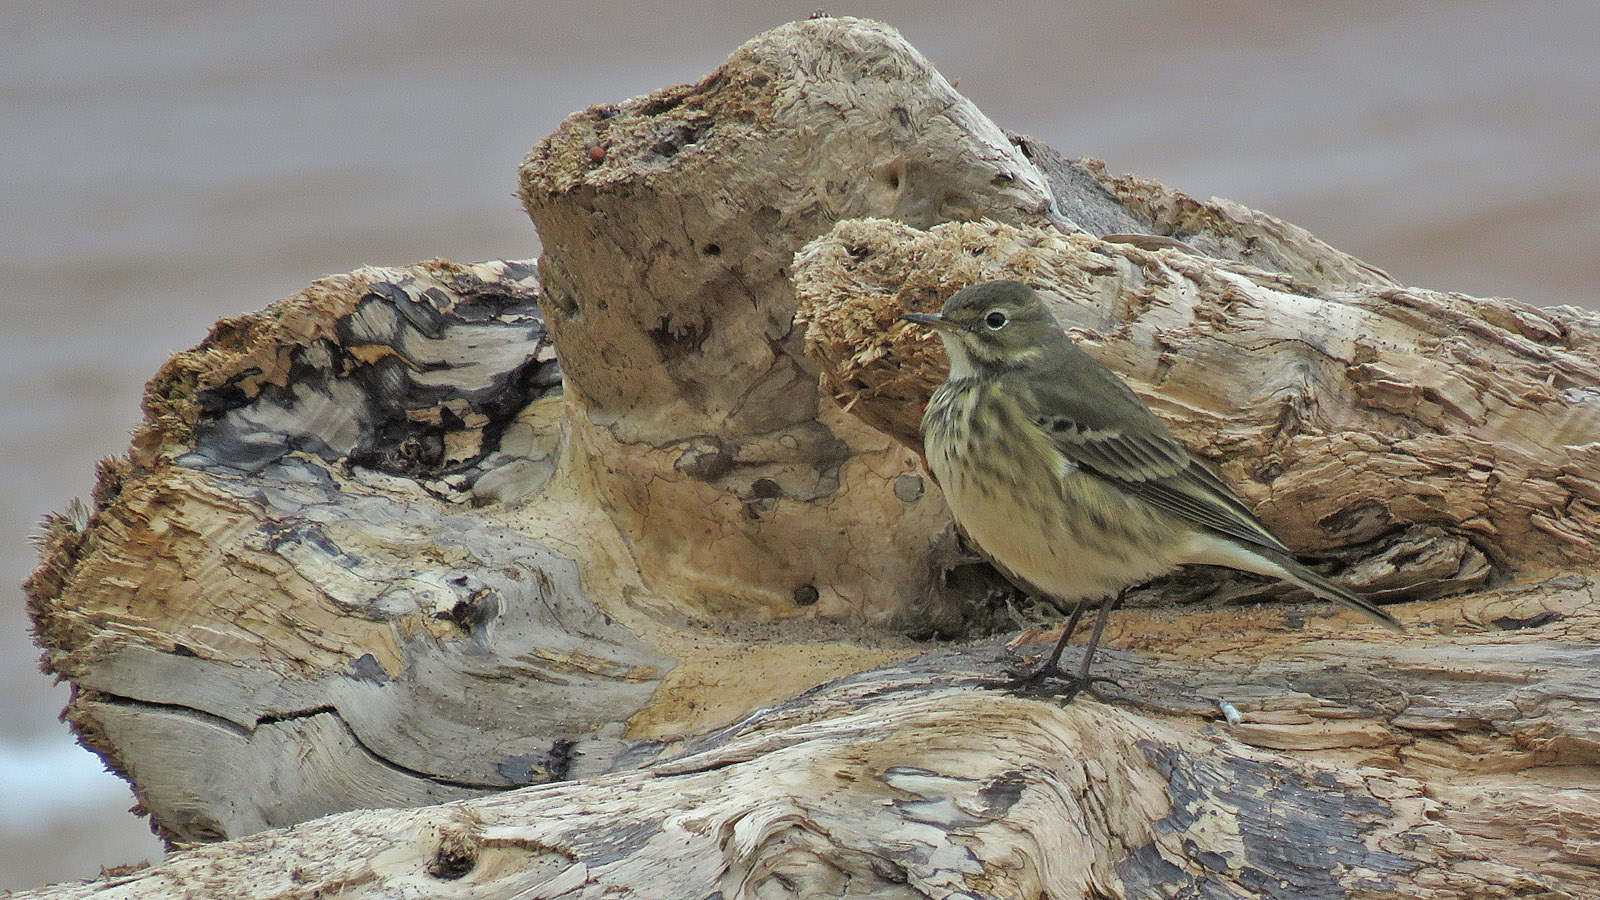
x: 1059, y: 472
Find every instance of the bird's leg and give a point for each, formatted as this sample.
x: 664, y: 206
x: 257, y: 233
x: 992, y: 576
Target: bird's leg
x: 1082, y: 682
x: 1052, y: 666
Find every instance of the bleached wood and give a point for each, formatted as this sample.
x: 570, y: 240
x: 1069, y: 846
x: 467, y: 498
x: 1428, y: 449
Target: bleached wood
x: 369, y: 549
x: 1442, y: 770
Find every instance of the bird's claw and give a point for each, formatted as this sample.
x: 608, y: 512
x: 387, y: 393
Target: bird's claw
x: 1035, y: 683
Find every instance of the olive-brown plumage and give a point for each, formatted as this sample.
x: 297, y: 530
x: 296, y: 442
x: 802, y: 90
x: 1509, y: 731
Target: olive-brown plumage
x: 1061, y: 473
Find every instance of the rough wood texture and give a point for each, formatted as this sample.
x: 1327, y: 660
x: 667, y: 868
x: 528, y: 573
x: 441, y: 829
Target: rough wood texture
x: 1425, y: 437
x: 669, y: 223
x: 1455, y: 768
x: 284, y: 606
x: 369, y: 551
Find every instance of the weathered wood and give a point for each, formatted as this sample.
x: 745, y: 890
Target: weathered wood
x: 669, y: 223
x: 1425, y: 440
x: 284, y: 605
x: 1126, y: 207
x: 322, y: 540
x: 371, y: 548
x: 1453, y: 767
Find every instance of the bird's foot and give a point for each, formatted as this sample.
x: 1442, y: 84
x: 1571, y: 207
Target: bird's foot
x: 1050, y: 680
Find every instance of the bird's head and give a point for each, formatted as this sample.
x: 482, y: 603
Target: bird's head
x: 992, y: 327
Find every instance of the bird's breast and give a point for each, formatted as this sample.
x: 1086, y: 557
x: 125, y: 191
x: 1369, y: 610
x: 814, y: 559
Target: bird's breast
x: 1027, y: 505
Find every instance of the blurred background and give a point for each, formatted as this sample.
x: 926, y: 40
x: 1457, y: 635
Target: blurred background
x: 164, y: 164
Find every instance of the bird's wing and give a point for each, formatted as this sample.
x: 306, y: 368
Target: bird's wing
x: 1126, y: 444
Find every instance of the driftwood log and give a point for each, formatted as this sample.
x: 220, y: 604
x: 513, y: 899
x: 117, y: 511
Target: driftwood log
x: 690, y: 590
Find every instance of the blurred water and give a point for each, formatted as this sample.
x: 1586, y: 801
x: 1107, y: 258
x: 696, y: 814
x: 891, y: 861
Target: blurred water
x: 168, y: 163
x: 42, y: 782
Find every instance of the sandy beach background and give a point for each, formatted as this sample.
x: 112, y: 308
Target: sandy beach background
x: 166, y: 164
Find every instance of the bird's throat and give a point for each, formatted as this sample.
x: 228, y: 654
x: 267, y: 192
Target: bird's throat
x: 962, y: 364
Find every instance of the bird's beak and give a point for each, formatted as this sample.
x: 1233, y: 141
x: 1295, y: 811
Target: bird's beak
x: 930, y: 320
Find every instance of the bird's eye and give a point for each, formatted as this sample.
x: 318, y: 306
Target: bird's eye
x: 996, y: 320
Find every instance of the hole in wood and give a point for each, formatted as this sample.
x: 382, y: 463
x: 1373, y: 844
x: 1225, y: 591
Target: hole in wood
x: 677, y: 339
x: 457, y: 855
x: 683, y: 135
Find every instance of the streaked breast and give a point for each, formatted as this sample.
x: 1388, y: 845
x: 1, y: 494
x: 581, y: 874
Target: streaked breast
x: 1026, y: 504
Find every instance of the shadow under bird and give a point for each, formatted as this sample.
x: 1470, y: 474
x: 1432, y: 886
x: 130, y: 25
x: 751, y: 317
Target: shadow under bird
x: 1064, y: 476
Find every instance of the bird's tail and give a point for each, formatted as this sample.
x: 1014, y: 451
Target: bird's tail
x: 1328, y: 590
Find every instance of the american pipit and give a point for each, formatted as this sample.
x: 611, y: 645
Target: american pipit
x: 1061, y: 473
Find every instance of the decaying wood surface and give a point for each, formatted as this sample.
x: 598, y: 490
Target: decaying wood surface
x: 373, y: 548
